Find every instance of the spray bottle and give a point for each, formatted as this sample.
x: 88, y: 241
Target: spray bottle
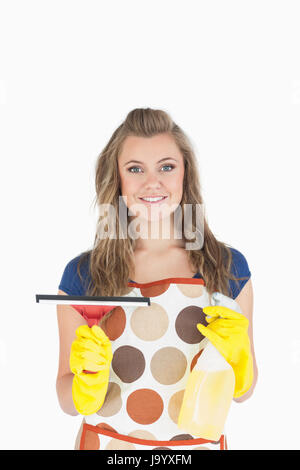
x: 209, y: 390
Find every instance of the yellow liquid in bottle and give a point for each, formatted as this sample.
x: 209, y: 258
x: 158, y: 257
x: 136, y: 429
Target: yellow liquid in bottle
x: 206, y: 403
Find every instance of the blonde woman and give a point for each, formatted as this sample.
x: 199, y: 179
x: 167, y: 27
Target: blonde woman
x: 148, y: 172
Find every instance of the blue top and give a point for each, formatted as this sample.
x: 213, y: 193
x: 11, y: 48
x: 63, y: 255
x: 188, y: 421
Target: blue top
x: 71, y: 284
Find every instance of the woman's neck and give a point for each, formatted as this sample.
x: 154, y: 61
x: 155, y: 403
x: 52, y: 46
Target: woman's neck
x: 156, y: 237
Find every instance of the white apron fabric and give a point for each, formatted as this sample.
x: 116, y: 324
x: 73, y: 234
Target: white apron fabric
x: 154, y: 349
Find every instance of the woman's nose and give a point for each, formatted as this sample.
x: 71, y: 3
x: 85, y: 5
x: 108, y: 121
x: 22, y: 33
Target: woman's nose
x: 152, y: 179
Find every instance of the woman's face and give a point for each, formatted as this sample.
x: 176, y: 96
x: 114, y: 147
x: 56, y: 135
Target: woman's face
x: 151, y: 167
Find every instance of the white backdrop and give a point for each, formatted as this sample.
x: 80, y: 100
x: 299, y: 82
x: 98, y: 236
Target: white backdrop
x: 229, y: 75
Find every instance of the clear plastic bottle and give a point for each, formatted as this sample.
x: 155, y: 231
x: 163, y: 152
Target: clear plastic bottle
x: 208, y: 395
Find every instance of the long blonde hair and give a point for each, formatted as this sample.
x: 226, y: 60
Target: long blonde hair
x: 111, y: 259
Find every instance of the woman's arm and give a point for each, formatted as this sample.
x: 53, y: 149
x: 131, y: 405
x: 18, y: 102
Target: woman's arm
x: 245, y: 301
x: 68, y: 321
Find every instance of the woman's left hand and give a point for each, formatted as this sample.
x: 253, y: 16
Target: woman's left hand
x: 227, y: 330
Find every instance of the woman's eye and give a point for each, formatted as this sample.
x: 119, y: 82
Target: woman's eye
x: 170, y: 166
x: 131, y: 168
x: 134, y: 167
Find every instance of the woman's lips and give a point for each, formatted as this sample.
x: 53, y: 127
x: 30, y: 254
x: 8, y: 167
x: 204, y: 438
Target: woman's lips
x: 153, y: 202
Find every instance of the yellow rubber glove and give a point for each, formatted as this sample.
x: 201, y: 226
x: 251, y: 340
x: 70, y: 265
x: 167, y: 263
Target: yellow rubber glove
x: 91, y: 351
x: 227, y: 330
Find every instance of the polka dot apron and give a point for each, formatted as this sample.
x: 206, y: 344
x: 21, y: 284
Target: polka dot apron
x: 154, y: 349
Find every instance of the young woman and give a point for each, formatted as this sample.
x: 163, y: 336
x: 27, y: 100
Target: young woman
x: 153, y: 349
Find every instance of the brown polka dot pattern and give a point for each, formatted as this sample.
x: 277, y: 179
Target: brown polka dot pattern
x: 144, y: 406
x: 168, y: 365
x: 117, y: 444
x: 149, y: 323
x: 181, y: 437
x: 175, y: 403
x: 142, y: 434
x: 128, y: 363
x: 91, y: 441
x: 155, y: 290
x: 106, y: 426
x: 186, y: 324
x: 114, y: 325
x: 190, y: 290
x: 113, y: 401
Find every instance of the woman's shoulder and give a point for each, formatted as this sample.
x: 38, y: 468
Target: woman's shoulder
x: 239, y: 268
x: 71, y: 283
x: 239, y: 264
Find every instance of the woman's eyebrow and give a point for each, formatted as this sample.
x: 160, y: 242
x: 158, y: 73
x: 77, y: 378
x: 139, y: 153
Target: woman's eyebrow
x: 162, y: 160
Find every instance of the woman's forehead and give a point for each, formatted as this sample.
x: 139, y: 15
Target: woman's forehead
x: 155, y: 148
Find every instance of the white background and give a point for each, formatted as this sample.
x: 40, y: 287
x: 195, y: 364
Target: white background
x: 228, y: 73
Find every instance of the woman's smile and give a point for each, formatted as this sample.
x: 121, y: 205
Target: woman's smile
x: 153, y: 200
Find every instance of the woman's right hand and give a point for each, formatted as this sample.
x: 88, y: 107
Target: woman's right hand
x: 90, y: 352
